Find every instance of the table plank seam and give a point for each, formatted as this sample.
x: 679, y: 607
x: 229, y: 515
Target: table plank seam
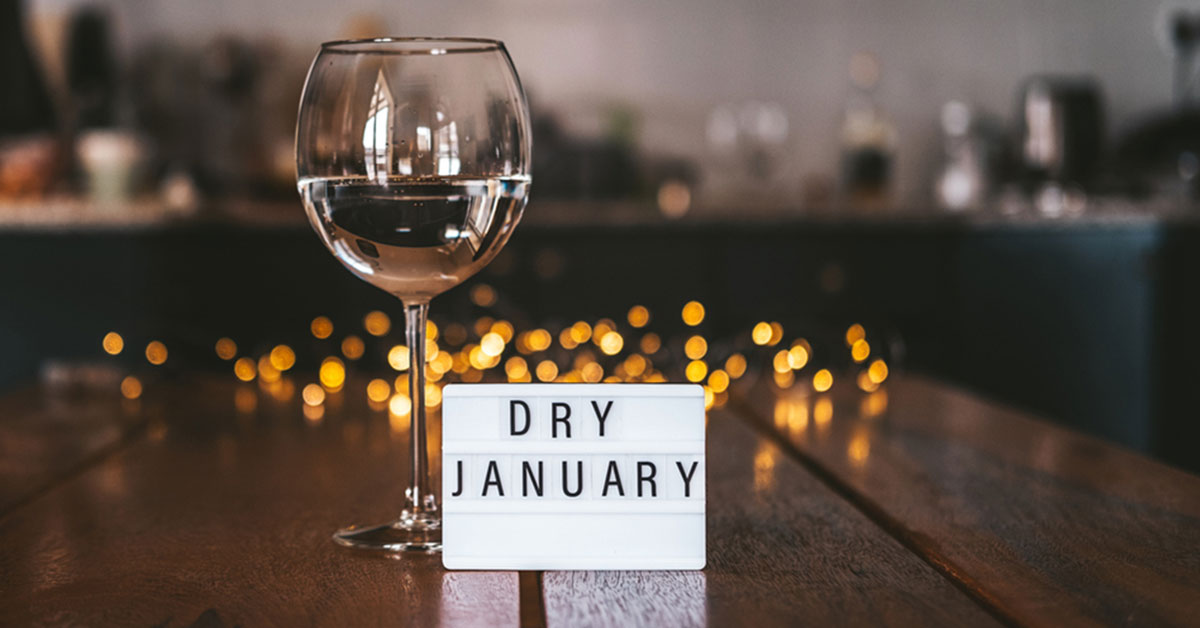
x: 130, y: 435
x: 875, y: 513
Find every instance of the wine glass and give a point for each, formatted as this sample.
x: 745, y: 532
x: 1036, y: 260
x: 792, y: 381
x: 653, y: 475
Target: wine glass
x: 412, y: 158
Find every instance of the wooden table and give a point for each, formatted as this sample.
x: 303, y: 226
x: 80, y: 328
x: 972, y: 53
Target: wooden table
x: 209, y: 503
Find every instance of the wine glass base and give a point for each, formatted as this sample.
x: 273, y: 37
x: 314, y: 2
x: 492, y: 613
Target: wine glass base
x: 403, y: 535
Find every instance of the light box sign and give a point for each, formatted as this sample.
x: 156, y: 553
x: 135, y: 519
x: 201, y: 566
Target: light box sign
x: 573, y: 476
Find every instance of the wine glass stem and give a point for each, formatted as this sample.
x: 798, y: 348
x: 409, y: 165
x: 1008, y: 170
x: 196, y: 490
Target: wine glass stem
x: 420, y: 499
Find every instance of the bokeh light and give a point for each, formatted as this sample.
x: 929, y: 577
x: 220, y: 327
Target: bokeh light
x: 282, y: 358
x: 638, y: 316
x: 321, y: 327
x: 398, y: 358
x: 761, y: 334
x: 113, y: 343
x: 353, y: 347
x: 156, y: 352
x: 131, y: 387
x: 332, y: 373
x: 378, y: 390
x: 693, y: 313
x: 226, y: 348
x: 696, y: 371
x: 695, y: 347
x: 822, y: 380
x: 377, y: 323
x: 313, y: 395
x: 244, y: 369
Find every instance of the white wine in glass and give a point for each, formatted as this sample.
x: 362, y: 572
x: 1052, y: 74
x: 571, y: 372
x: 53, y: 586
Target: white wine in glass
x: 412, y: 158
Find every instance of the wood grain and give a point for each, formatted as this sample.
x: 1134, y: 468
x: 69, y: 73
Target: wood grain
x: 222, y: 517
x: 782, y: 549
x: 1045, y: 526
x: 48, y: 434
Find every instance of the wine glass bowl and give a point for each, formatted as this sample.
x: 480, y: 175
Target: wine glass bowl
x: 412, y: 160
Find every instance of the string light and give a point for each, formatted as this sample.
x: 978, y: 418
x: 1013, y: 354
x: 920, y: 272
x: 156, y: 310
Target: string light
x: 321, y: 327
x: 398, y: 358
x: 878, y: 371
x: 244, y: 369
x: 377, y: 323
x: 822, y: 380
x: 695, y: 347
x: 638, y: 316
x: 761, y: 334
x: 735, y: 365
x: 696, y: 370
x: 860, y: 350
x: 547, y: 370
x: 651, y: 343
x: 226, y: 348
x: 313, y: 395
x: 378, y: 390
x: 332, y: 373
x: 855, y: 333
x: 693, y: 313
x: 282, y: 358
x: 353, y: 347
x: 156, y: 352
x: 612, y: 343
x: 112, y: 343
x: 131, y: 387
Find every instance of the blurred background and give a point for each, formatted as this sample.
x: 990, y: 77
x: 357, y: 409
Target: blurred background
x: 1001, y: 195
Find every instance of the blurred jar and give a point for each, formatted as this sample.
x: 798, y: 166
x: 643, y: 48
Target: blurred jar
x: 112, y: 162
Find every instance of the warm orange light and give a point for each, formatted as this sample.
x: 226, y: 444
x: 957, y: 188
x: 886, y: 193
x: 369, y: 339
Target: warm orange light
x: 353, y: 347
x: 539, y: 340
x: 431, y: 330
x: 696, y: 370
x: 266, y: 371
x: 244, y: 369
x: 282, y: 358
x: 504, y: 329
x: 377, y: 323
x: 601, y: 329
x: 567, y: 341
x: 400, y: 405
x: 516, y: 368
x: 761, y: 334
x: 709, y: 398
x: 313, y: 395
x: 797, y: 357
x: 859, y: 448
x: 113, y: 343
x: 735, y: 365
x: 433, y: 395
x: 398, y: 358
x: 635, y: 365
x: 592, y: 372
x: 776, y: 334
x: 855, y: 333
x: 651, y: 343
x: 864, y: 382
x: 784, y: 379
x: 638, y: 316
x: 547, y: 370
x: 332, y: 373
x: 695, y: 347
x: 860, y: 350
x: 822, y: 380
x: 822, y: 411
x: 226, y: 348
x: 782, y: 362
x: 581, y: 332
x: 378, y: 390
x: 693, y: 313
x: 483, y: 295
x: 878, y: 371
x: 321, y: 327
x: 492, y: 344
x: 442, y: 363
x: 314, y: 414
x: 156, y: 352
x: 718, y: 381
x: 612, y: 343
x: 131, y: 387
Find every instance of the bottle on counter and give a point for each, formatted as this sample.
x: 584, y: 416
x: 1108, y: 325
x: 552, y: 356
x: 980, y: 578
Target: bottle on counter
x: 868, y: 138
x: 28, y: 146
